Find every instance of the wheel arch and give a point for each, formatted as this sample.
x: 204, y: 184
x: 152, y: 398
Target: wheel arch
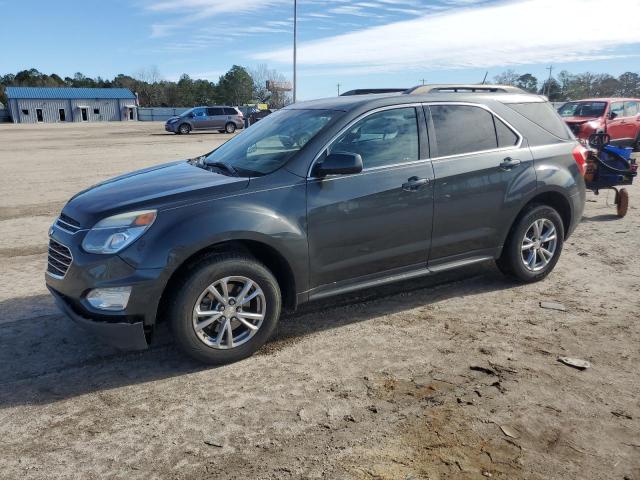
x: 552, y: 198
x: 264, y: 253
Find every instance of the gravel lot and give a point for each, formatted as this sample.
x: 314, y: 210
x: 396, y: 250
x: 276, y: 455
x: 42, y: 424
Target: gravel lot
x: 453, y: 376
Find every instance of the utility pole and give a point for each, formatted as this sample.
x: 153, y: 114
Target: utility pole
x: 338, y: 89
x: 295, y: 40
x: 424, y: 81
x: 550, y: 68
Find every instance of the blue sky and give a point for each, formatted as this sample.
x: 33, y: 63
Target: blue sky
x: 363, y: 43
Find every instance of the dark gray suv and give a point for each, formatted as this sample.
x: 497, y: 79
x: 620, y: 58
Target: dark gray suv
x: 220, y: 117
x: 318, y: 199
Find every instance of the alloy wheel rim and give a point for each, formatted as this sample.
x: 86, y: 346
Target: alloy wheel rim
x: 229, y: 312
x: 539, y: 245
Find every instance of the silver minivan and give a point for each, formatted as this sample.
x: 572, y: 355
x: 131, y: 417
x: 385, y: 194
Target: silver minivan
x: 219, y: 117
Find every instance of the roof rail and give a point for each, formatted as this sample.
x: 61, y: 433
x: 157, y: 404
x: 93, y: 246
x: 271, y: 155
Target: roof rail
x: 366, y: 91
x: 456, y: 88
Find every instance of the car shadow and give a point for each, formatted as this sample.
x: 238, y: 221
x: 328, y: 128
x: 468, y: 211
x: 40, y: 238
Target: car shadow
x: 48, y: 358
x: 605, y: 217
x: 198, y: 132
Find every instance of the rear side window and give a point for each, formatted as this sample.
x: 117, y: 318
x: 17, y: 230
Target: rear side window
x: 230, y: 111
x: 212, y: 112
x: 462, y: 129
x: 543, y: 115
x: 506, y: 136
x: 631, y: 109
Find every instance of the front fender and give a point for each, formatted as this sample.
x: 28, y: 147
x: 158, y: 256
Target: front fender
x: 273, y: 217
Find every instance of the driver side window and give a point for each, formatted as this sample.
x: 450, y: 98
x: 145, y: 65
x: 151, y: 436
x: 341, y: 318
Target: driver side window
x: 618, y: 109
x: 384, y: 138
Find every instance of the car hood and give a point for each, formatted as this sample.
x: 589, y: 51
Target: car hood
x: 579, y: 119
x: 160, y: 187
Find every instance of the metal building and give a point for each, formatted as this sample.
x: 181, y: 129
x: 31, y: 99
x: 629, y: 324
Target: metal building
x: 64, y: 104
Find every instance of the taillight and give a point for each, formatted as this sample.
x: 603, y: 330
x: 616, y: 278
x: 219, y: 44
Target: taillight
x: 580, y: 155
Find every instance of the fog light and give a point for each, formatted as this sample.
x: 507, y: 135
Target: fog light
x: 115, y: 298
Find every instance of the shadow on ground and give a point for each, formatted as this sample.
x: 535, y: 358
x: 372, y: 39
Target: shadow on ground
x: 49, y: 358
x: 605, y: 217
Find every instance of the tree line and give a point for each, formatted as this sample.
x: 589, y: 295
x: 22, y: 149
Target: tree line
x: 238, y: 86
x: 569, y: 86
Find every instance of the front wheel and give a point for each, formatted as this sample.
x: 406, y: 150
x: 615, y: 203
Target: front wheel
x: 184, y: 129
x: 225, y: 309
x: 534, y: 245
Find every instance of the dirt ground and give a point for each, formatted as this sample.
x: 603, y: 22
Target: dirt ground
x: 452, y: 376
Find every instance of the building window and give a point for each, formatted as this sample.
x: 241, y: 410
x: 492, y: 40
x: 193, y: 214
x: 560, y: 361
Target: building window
x: 62, y: 115
x: 25, y: 111
x: 96, y: 111
x: 39, y: 116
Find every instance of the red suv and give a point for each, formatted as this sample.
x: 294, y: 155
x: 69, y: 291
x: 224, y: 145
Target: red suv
x: 619, y: 117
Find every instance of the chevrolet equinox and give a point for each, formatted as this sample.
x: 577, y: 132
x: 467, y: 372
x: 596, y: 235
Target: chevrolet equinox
x: 318, y: 199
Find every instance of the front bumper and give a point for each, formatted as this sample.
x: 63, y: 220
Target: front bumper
x: 125, y: 336
x: 127, y: 329
x: 171, y: 127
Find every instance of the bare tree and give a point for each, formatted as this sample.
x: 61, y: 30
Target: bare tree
x: 508, y: 77
x: 260, y: 75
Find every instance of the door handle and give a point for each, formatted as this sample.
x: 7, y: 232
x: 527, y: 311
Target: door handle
x: 414, y: 183
x: 508, y: 163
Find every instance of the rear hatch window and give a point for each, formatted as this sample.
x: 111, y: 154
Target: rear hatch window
x: 543, y: 115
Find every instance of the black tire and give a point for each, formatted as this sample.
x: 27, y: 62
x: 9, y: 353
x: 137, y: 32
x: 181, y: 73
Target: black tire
x: 230, y: 127
x: 622, y: 202
x: 512, y: 263
x: 184, y: 129
x: 196, y: 280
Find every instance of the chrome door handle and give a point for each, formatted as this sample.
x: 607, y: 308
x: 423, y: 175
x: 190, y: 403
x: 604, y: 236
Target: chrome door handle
x: 414, y: 183
x: 508, y: 163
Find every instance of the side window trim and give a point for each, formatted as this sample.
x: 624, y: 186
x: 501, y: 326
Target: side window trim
x: 434, y: 140
x: 416, y: 106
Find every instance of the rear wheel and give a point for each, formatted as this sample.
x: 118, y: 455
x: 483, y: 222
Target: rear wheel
x: 534, y: 244
x: 230, y: 127
x: 622, y: 202
x: 225, y: 309
x: 184, y: 128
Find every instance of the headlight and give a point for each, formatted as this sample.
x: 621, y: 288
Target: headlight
x: 112, y: 234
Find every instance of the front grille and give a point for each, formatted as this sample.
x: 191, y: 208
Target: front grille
x: 59, y: 259
x: 67, y: 223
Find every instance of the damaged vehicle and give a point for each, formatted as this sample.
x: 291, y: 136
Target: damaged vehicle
x: 318, y: 199
x: 619, y: 118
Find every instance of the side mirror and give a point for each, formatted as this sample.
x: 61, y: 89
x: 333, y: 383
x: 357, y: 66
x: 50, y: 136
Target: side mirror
x: 612, y: 115
x: 339, y: 164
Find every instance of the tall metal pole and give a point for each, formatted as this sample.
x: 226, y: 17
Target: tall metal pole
x: 338, y: 89
x: 295, y: 41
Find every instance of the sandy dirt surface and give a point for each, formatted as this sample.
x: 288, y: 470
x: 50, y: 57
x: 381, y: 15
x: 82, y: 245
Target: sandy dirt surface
x: 452, y: 376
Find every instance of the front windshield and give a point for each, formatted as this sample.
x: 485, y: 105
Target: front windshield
x: 583, y: 109
x: 270, y: 143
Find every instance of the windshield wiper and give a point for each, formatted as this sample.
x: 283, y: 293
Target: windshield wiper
x: 223, y: 166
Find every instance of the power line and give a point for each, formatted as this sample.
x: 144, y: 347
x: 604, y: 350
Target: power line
x: 550, y: 68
